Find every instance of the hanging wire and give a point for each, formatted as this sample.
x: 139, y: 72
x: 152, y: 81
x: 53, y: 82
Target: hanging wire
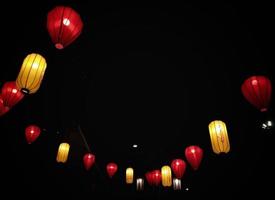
x: 83, y: 138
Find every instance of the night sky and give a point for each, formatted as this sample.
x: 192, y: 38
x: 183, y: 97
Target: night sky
x: 152, y: 75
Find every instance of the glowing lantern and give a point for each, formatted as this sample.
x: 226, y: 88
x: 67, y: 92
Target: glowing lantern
x: 156, y: 177
x: 140, y: 184
x: 63, y: 152
x: 31, y: 73
x: 64, y: 25
x: 129, y: 175
x: 194, y: 155
x: 166, y: 176
x: 149, y: 178
x: 11, y: 94
x: 178, y: 167
x: 219, y: 137
x: 111, y: 169
x: 32, y: 132
x: 176, y: 184
x: 88, y: 160
x: 257, y: 91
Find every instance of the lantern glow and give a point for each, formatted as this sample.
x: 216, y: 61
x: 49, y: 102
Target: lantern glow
x: 166, y: 176
x: 63, y: 152
x: 129, y: 175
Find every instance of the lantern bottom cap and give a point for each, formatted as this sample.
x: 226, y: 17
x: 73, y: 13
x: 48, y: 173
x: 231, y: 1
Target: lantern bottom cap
x: 59, y: 46
x: 263, y: 109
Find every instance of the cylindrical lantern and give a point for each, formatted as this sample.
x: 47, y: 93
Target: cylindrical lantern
x: 88, y: 160
x: 257, y: 91
x: 129, y: 175
x: 140, y: 184
x: 31, y: 73
x: 63, y: 152
x: 194, y: 155
x: 11, y: 94
x: 178, y: 167
x: 64, y: 25
x: 166, y: 176
x: 111, y: 169
x: 219, y: 137
x: 176, y: 184
x: 32, y: 132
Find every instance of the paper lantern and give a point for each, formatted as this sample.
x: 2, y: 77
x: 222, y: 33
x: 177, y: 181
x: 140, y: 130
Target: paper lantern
x: 32, y: 132
x: 149, y: 178
x: 140, y: 184
x: 194, y: 155
x: 111, y: 169
x: 31, y: 73
x: 63, y: 152
x: 88, y: 160
x: 129, y: 175
x: 176, y: 184
x: 156, y: 177
x: 257, y: 91
x: 11, y: 94
x: 178, y: 167
x: 219, y: 137
x: 166, y: 176
x: 64, y: 25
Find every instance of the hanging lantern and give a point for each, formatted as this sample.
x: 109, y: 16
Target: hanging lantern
x: 257, y: 91
x: 32, y: 132
x: 156, y: 177
x: 219, y: 137
x: 149, y: 178
x: 11, y: 94
x: 140, y: 184
x: 3, y: 109
x: 194, y: 155
x: 31, y: 73
x: 111, y: 169
x: 63, y: 152
x: 176, y: 184
x: 166, y: 176
x: 178, y: 167
x: 129, y: 175
x: 88, y: 160
x: 64, y: 25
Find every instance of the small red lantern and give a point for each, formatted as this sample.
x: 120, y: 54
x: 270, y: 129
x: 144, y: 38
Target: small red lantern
x: 156, y: 177
x: 194, y: 155
x: 88, y: 160
x: 11, y: 95
x: 178, y: 167
x: 257, y: 91
x: 64, y: 25
x: 111, y: 169
x: 149, y: 178
x: 32, y: 132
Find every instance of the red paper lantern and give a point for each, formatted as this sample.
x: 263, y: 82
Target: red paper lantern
x: 194, y: 155
x: 32, y: 132
x: 156, y: 177
x: 11, y: 95
x: 88, y: 160
x: 178, y: 167
x: 111, y: 169
x: 149, y: 178
x: 3, y: 108
x: 257, y: 91
x: 64, y: 25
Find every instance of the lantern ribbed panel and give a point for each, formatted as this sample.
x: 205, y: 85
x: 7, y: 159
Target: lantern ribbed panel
x: 63, y: 152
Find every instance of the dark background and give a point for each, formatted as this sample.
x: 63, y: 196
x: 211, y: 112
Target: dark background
x: 152, y: 75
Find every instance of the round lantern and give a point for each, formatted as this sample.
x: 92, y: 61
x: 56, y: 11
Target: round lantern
x: 156, y: 177
x: 88, y: 160
x: 219, y: 137
x: 31, y: 73
x: 64, y: 25
x: 32, y: 132
x: 178, y: 167
x: 194, y: 155
x: 63, y: 152
x: 129, y: 175
x: 111, y: 169
x: 257, y: 91
x: 11, y: 94
x: 166, y: 176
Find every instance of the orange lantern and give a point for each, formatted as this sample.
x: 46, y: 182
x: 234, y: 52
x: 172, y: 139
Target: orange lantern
x: 63, y: 152
x: 129, y: 175
x: 166, y: 176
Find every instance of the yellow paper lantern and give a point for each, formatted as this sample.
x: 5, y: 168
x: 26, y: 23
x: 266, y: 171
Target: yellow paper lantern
x: 166, y: 176
x: 63, y: 151
x: 31, y: 73
x: 219, y: 137
x: 176, y: 184
x: 129, y: 175
x: 140, y: 184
